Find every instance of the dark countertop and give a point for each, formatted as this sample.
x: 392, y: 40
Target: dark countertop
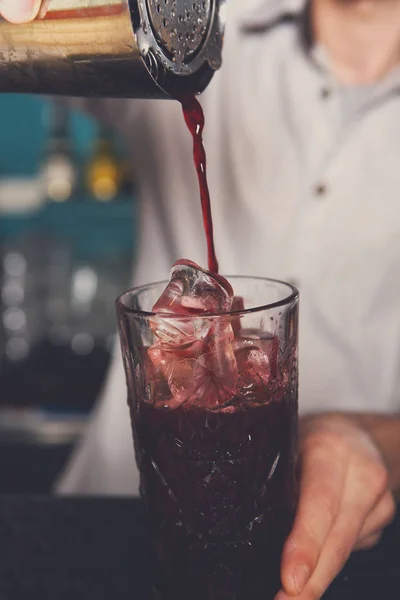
x: 59, y: 549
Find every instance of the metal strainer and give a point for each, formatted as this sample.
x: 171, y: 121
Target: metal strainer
x: 183, y: 36
x: 114, y: 48
x: 180, y: 26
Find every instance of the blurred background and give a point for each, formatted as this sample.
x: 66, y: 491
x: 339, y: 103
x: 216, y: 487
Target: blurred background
x: 67, y: 241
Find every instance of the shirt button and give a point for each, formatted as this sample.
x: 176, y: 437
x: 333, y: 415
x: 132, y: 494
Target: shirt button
x: 326, y: 93
x: 320, y: 189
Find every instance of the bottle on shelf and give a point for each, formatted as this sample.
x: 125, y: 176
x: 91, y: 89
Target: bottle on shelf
x: 59, y: 170
x: 104, y: 170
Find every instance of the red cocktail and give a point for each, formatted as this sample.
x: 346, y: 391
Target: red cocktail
x: 212, y: 388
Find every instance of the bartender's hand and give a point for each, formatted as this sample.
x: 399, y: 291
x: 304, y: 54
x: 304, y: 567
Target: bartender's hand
x: 22, y: 11
x: 345, y: 500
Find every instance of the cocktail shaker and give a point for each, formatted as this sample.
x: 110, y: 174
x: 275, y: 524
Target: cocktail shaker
x: 114, y: 48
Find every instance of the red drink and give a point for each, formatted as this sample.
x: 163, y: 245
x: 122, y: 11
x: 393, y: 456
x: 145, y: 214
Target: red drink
x: 221, y: 492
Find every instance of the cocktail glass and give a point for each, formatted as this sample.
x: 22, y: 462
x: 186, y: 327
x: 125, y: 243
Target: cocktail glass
x: 214, y: 420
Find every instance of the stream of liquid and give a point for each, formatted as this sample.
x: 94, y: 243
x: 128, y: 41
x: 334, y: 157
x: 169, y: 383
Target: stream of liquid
x: 194, y: 117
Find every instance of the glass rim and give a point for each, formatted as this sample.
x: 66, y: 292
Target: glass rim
x: 289, y: 299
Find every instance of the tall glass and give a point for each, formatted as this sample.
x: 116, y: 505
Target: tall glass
x: 217, y: 468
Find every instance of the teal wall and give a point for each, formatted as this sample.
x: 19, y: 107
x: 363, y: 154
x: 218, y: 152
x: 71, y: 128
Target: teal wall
x: 23, y: 121
x: 94, y: 229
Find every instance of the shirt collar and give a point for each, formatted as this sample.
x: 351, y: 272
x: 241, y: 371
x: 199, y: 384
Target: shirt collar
x: 265, y: 13
x: 261, y: 15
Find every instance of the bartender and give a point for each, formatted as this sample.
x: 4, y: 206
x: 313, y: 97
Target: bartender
x: 304, y: 155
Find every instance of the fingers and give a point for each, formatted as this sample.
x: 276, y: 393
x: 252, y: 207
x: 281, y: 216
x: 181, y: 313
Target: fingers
x: 333, y: 556
x: 364, y: 487
x: 44, y: 8
x: 342, y: 538
x: 322, y: 483
x: 20, y: 11
x: 369, y: 542
x: 379, y: 518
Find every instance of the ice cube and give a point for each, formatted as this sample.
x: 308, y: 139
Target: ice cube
x: 155, y: 385
x: 191, y: 291
x: 207, y: 382
x: 180, y: 378
x: 265, y: 341
x: 203, y: 372
x: 257, y: 362
x: 215, y: 377
x: 254, y: 373
x: 195, y: 354
x: 177, y: 365
x: 269, y: 344
x: 216, y: 372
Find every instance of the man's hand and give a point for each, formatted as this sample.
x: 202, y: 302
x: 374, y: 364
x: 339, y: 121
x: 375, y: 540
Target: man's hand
x: 345, y: 500
x: 23, y: 11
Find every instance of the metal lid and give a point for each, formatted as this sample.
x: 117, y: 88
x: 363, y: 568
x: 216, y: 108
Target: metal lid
x: 181, y: 41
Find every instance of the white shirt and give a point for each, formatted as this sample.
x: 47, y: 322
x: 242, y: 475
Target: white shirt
x: 301, y: 189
